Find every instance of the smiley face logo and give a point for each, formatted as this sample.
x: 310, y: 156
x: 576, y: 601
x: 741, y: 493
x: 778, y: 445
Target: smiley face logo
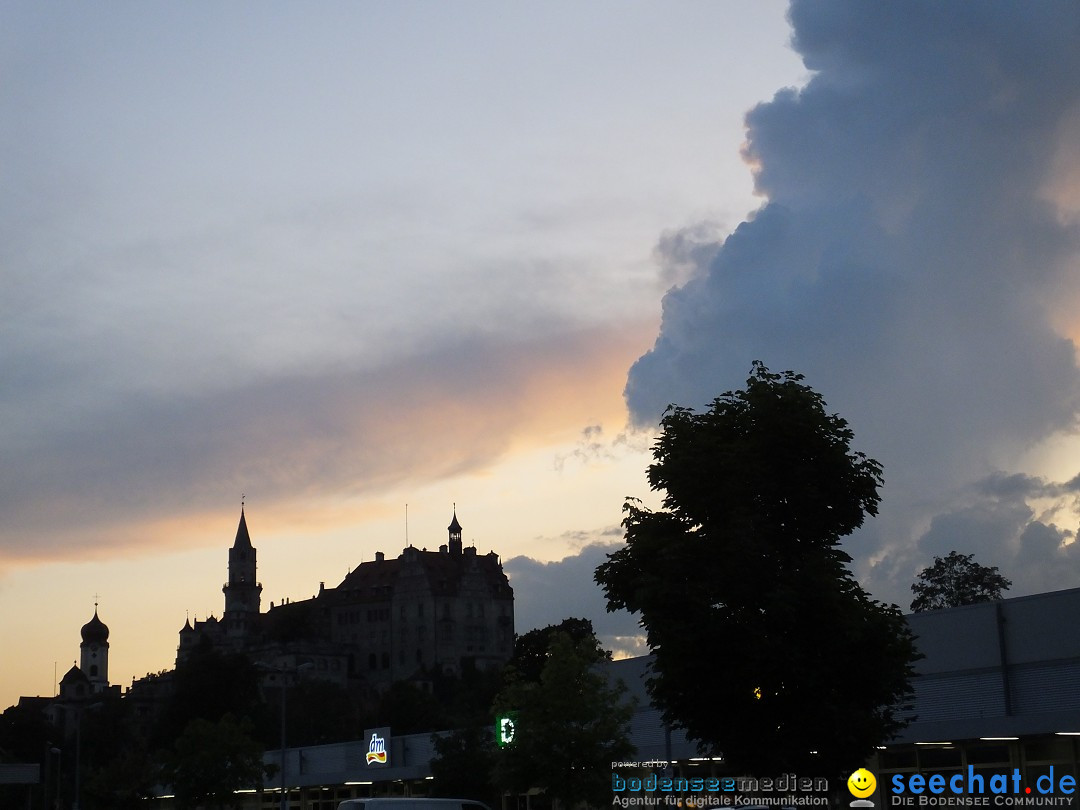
x: 861, y: 783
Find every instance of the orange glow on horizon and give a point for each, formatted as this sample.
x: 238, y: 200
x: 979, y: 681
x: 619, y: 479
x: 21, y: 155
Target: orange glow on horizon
x: 494, y: 450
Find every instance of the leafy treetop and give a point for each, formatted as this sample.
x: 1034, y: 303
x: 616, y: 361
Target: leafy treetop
x: 956, y: 580
x: 532, y: 649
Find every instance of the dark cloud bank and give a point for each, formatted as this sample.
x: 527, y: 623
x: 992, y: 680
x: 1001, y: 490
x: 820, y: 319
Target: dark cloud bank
x: 547, y: 592
x: 909, y: 261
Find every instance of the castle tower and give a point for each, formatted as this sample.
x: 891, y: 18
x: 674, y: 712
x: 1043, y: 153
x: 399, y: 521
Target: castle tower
x: 242, y: 591
x: 94, y: 653
x: 455, y: 534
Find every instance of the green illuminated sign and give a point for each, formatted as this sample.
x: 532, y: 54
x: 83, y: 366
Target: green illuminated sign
x: 505, y: 727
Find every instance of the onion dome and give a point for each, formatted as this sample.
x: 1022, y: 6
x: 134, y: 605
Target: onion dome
x: 95, y: 631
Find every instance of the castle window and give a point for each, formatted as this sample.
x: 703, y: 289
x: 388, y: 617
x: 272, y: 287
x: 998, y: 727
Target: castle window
x: 93, y: 671
x: 372, y: 661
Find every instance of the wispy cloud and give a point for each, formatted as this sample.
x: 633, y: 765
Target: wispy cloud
x: 292, y: 436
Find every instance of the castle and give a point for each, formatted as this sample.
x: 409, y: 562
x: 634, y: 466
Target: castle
x: 423, y: 613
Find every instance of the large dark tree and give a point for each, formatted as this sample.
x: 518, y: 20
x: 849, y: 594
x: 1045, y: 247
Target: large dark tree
x: 766, y: 648
x: 956, y: 580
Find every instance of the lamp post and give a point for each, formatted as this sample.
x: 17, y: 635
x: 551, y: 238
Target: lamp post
x: 282, y: 671
x: 78, y: 748
x: 56, y: 779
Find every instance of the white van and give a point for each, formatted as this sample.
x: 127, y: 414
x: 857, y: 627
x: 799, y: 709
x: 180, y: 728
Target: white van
x: 417, y: 803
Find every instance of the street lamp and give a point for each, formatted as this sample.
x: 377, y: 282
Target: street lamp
x: 78, y: 747
x: 56, y: 779
x: 282, y: 671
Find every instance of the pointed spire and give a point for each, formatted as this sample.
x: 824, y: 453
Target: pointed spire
x: 243, y: 539
x: 455, y: 534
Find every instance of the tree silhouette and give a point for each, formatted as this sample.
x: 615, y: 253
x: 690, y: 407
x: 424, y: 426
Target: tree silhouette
x: 210, y: 761
x: 956, y: 580
x: 531, y: 649
x: 463, y: 764
x: 569, y: 725
x: 765, y: 647
x: 210, y: 684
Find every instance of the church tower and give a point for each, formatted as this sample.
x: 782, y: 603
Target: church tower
x: 242, y: 591
x: 94, y: 653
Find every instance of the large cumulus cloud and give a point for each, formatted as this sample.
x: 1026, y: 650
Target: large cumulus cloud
x: 913, y: 258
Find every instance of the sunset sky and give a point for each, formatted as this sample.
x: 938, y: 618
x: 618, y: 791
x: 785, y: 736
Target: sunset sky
x: 341, y: 258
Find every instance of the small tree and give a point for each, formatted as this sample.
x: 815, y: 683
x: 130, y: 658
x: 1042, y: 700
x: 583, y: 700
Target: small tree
x: 531, y: 649
x: 463, y: 764
x: 956, y: 580
x: 765, y: 647
x: 211, y: 761
x: 125, y: 782
x: 569, y: 726
x: 208, y: 685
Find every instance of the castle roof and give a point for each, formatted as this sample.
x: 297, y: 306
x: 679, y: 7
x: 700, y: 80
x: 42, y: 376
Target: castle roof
x: 443, y: 570
x: 372, y: 574
x: 74, y: 676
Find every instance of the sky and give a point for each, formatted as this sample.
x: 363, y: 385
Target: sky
x: 361, y: 264
x: 355, y: 263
